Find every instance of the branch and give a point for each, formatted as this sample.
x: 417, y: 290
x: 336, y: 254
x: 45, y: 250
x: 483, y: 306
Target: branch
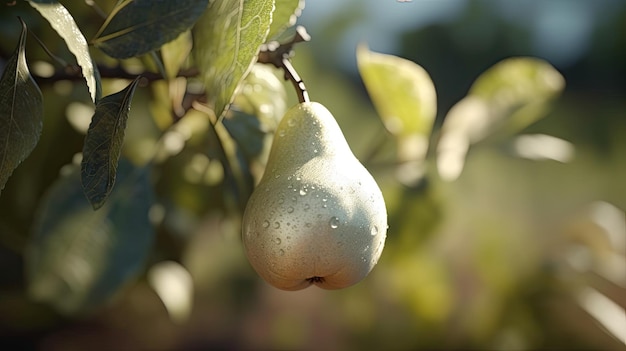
x: 279, y: 55
x: 73, y: 73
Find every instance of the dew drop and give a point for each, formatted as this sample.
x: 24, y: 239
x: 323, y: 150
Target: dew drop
x: 306, y: 207
x: 290, y: 210
x: 334, y: 222
x: 266, y: 224
x: 314, y: 151
x: 289, y: 178
x: 277, y: 241
x: 277, y: 176
x: 324, y: 205
x: 298, y: 178
x: 308, y: 225
x: 302, y: 192
x: 276, y: 225
x: 281, y: 133
x: 374, y: 230
x: 291, y: 122
x: 294, y: 199
x: 281, y: 252
x: 281, y: 200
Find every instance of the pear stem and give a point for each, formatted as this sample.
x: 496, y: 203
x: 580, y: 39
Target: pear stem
x: 298, y: 84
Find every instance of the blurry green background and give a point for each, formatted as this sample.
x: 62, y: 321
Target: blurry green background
x: 516, y: 253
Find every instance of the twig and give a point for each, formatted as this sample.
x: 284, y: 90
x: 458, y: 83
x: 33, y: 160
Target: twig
x: 72, y: 73
x: 96, y: 8
x: 279, y: 55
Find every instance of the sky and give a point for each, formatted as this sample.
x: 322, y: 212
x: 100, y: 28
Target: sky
x: 560, y: 29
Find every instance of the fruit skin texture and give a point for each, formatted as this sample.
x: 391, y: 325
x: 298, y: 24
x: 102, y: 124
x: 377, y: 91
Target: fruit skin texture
x: 317, y: 216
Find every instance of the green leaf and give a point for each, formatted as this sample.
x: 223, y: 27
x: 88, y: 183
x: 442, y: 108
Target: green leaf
x: 103, y: 144
x: 505, y: 98
x: 63, y: 23
x: 248, y: 133
x: 78, y: 258
x: 136, y: 27
x: 514, y: 84
x: 402, y: 92
x: 227, y: 40
x: 175, y: 53
x: 285, y: 16
x: 262, y: 94
x: 21, y: 112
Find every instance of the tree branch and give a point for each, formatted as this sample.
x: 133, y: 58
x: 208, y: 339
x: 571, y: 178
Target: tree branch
x: 73, y: 73
x: 279, y: 55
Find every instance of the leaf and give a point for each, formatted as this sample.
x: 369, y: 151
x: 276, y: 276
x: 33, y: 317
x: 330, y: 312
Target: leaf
x: 103, y: 144
x: 402, y: 92
x: 543, y: 147
x: 63, y: 23
x: 136, y: 27
x: 515, y: 83
x: 246, y: 130
x: 506, y: 97
x: 262, y: 94
x: 78, y: 258
x: 226, y: 43
x: 21, y: 112
x: 284, y: 16
x: 175, y: 53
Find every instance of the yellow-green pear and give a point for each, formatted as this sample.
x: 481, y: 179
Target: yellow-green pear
x: 317, y: 215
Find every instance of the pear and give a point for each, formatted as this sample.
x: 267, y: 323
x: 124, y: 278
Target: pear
x: 317, y: 215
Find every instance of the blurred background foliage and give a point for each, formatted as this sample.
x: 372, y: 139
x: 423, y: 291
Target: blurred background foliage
x: 524, y: 249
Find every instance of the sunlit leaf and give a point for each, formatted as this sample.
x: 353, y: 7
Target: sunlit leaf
x: 103, y: 144
x: 284, y: 16
x: 174, y: 285
x: 136, y: 27
x: 513, y: 89
x: 518, y: 79
x: 175, y: 53
x: 543, y: 147
x: 21, y: 112
x: 78, y: 258
x: 506, y: 97
x: 63, y: 23
x: 402, y: 92
x: 465, y: 124
x: 227, y: 40
x: 263, y: 94
x: 257, y: 109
